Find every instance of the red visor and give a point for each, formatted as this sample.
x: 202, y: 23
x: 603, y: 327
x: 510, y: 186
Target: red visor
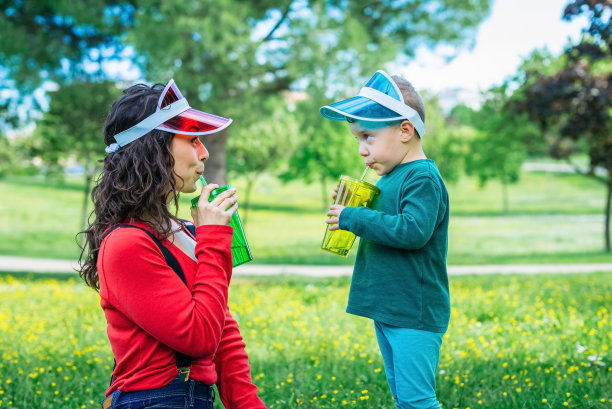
x: 191, y: 121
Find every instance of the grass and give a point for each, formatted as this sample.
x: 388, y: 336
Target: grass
x: 554, y: 217
x: 514, y: 342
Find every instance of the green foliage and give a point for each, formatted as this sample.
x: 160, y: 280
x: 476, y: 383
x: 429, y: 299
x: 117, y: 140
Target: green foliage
x: 13, y: 157
x: 223, y: 54
x: 50, y: 40
x: 6, y: 156
x: 325, y: 150
x: 549, y: 212
x: 497, y: 140
x: 540, y: 61
x: 497, y: 149
x: 261, y: 144
x: 445, y: 143
x: 73, y: 126
x: 575, y: 104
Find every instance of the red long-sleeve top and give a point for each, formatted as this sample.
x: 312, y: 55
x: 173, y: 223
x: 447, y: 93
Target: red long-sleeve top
x: 151, y: 314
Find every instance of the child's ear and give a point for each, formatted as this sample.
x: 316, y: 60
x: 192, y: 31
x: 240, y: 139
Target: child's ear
x: 407, y: 129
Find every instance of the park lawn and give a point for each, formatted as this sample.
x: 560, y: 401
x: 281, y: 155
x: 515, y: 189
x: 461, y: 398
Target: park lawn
x: 553, y: 218
x: 514, y: 342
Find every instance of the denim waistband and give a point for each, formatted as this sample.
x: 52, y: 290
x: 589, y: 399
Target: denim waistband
x: 191, y: 389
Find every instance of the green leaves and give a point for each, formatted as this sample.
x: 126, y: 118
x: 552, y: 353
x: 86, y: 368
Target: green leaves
x: 73, y: 126
x: 235, y: 58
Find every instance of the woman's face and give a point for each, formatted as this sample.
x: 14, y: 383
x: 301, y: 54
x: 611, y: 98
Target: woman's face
x: 189, y: 155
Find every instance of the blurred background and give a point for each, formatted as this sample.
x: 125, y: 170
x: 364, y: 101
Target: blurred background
x: 518, y: 97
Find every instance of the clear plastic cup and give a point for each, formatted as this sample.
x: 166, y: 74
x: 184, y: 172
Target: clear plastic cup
x: 351, y: 192
x: 240, y: 248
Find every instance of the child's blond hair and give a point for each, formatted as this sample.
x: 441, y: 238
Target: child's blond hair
x: 411, y: 96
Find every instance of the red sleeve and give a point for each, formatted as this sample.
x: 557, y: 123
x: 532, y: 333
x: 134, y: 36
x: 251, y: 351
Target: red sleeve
x: 234, y: 383
x: 143, y: 287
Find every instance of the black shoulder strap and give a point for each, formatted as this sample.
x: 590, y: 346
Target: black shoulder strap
x: 170, y: 259
x: 182, y: 360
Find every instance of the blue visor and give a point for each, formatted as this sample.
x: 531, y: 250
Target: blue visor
x: 380, y: 100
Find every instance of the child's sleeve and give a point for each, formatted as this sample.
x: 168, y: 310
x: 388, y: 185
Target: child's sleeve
x: 410, y: 229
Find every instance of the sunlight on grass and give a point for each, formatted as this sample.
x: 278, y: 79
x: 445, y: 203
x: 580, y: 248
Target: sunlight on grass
x: 514, y: 341
x: 551, y: 216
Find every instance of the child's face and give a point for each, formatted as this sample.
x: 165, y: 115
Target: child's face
x: 380, y: 144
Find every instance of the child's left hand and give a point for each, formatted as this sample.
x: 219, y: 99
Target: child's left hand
x: 334, y: 216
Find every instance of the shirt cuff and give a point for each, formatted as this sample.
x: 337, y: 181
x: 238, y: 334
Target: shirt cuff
x: 210, y: 229
x: 346, y: 218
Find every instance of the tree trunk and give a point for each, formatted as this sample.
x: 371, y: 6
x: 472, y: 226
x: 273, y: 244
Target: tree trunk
x: 215, y: 169
x: 607, y: 219
x: 506, y: 205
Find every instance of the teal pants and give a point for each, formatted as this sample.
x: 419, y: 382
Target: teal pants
x: 411, y: 359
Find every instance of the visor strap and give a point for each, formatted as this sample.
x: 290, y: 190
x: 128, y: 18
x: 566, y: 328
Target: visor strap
x: 151, y: 122
x: 396, y: 106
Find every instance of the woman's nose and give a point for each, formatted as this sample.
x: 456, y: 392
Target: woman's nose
x: 202, y: 151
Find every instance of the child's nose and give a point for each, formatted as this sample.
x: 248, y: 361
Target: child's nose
x: 363, y: 150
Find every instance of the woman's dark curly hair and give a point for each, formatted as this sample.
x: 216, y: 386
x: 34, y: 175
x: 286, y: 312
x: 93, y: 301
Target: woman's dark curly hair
x: 136, y: 180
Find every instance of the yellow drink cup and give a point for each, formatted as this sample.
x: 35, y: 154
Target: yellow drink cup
x: 354, y: 193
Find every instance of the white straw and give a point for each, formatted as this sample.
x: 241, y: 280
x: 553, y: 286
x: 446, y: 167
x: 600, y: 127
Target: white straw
x: 365, y: 172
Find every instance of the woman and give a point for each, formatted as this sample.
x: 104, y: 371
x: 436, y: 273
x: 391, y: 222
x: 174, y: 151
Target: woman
x: 163, y: 291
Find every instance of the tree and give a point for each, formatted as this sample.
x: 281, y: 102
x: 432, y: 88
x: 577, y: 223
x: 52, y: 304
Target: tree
x: 325, y: 149
x: 58, y: 40
x: 223, y: 53
x: 444, y: 142
x: 72, y: 129
x: 577, y: 105
x: 497, y: 148
x: 260, y: 144
x: 577, y: 101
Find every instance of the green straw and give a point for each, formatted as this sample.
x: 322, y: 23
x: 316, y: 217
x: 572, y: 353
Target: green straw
x: 203, y: 180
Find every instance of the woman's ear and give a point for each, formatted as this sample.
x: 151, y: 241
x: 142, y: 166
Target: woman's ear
x: 407, y: 130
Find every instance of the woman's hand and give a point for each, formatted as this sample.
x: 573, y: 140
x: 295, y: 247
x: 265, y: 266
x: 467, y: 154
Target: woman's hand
x: 334, y: 217
x: 217, y: 211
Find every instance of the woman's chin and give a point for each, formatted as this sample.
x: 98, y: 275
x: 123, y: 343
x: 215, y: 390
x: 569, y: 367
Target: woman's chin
x: 190, y: 188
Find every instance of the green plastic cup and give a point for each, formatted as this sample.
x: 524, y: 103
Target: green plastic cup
x: 240, y: 248
x: 351, y: 192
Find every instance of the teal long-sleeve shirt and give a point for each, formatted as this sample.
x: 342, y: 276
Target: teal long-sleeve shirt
x: 400, y: 273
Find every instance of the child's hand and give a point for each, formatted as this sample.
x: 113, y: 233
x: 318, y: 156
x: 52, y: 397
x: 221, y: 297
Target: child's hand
x: 335, y: 191
x: 334, y: 216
